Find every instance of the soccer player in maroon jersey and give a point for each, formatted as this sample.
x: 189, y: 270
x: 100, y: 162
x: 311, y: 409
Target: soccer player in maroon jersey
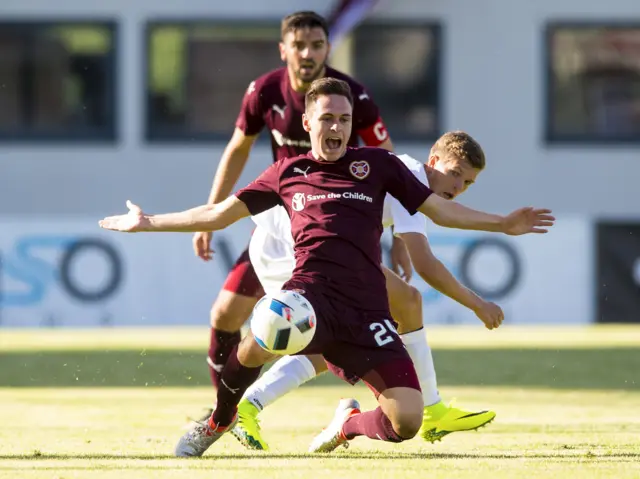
x: 336, y: 220
x: 275, y: 101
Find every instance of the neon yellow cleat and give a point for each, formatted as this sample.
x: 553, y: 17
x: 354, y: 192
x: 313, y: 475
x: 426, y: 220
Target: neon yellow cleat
x: 247, y: 429
x: 439, y: 420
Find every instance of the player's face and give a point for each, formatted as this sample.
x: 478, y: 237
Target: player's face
x: 328, y: 122
x: 450, y: 176
x: 305, y: 52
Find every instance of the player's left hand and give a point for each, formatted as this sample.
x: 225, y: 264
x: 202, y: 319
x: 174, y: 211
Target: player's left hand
x: 400, y: 260
x: 135, y: 220
x: 490, y: 314
x: 528, y: 220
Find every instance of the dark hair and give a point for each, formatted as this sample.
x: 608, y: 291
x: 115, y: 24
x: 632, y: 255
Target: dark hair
x: 304, y: 19
x: 327, y: 86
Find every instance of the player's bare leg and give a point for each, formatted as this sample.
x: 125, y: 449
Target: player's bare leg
x: 439, y: 419
x: 405, y: 302
x: 242, y: 368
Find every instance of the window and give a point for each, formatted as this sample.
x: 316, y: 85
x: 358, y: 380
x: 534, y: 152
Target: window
x: 57, y: 81
x: 593, y: 83
x: 198, y: 73
x: 400, y: 65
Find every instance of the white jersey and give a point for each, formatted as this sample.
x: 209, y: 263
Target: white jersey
x: 271, y: 246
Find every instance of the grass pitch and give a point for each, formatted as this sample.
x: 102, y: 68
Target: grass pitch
x: 112, y: 404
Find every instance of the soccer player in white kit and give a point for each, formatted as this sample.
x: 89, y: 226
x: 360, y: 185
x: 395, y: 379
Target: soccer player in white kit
x: 454, y: 162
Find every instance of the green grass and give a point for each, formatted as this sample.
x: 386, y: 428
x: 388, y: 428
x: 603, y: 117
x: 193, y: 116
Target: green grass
x: 111, y: 404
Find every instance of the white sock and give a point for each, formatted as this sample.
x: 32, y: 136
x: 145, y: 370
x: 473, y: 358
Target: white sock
x: 283, y: 377
x: 420, y: 352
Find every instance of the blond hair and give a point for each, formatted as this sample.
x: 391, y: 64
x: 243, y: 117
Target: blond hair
x: 462, y: 146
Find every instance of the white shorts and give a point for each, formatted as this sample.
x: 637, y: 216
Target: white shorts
x: 272, y: 259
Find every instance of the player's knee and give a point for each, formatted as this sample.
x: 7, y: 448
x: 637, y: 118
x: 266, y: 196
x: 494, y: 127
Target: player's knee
x: 414, y: 301
x: 404, y: 408
x: 406, y: 423
x: 409, y: 314
x: 251, y: 355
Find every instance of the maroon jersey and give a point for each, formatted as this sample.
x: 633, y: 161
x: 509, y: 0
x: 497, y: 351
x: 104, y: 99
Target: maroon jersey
x: 271, y: 101
x: 336, y: 217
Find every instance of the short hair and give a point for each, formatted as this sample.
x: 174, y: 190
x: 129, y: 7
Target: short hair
x: 303, y: 19
x: 327, y: 86
x: 462, y: 146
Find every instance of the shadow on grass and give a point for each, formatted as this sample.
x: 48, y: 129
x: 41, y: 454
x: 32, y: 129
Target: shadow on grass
x: 349, y: 456
x: 606, y: 368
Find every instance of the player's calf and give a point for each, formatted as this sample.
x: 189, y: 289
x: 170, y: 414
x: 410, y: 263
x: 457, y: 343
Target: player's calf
x: 241, y: 370
x: 251, y: 354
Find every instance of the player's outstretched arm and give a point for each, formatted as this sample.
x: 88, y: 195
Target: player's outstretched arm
x: 201, y: 218
x: 454, y: 215
x: 436, y: 275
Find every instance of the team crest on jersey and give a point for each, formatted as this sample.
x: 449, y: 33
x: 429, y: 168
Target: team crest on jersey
x: 359, y: 169
x: 298, y: 201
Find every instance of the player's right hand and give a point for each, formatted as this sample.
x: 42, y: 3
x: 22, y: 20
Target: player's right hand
x: 490, y: 314
x: 202, y: 245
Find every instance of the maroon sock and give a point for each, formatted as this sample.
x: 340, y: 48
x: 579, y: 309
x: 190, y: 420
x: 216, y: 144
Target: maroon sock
x: 235, y: 380
x: 221, y: 343
x: 373, y: 424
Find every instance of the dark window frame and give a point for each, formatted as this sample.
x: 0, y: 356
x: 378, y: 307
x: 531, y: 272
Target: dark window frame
x: 89, y: 135
x: 550, y: 137
x: 160, y: 135
x: 437, y: 29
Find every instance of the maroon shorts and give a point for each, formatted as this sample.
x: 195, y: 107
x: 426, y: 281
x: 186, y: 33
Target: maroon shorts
x: 358, y: 344
x: 242, y: 278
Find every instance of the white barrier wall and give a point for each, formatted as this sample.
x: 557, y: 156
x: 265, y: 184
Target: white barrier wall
x: 71, y: 273
x: 536, y: 279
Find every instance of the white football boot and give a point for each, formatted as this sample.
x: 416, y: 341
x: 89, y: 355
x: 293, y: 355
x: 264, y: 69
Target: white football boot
x: 200, y: 437
x: 331, y: 437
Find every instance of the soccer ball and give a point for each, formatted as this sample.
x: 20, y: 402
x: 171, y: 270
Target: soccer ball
x: 283, y: 323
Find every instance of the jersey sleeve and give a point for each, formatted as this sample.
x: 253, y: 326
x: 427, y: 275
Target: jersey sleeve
x: 262, y: 193
x: 367, y: 120
x: 250, y: 119
x: 402, y: 184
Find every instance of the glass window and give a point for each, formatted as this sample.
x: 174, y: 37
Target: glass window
x: 594, y: 83
x: 57, y: 81
x: 198, y: 73
x: 399, y: 63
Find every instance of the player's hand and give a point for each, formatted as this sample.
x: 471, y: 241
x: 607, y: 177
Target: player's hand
x: 400, y: 260
x: 528, y: 220
x: 135, y: 220
x: 202, y: 245
x: 490, y: 314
